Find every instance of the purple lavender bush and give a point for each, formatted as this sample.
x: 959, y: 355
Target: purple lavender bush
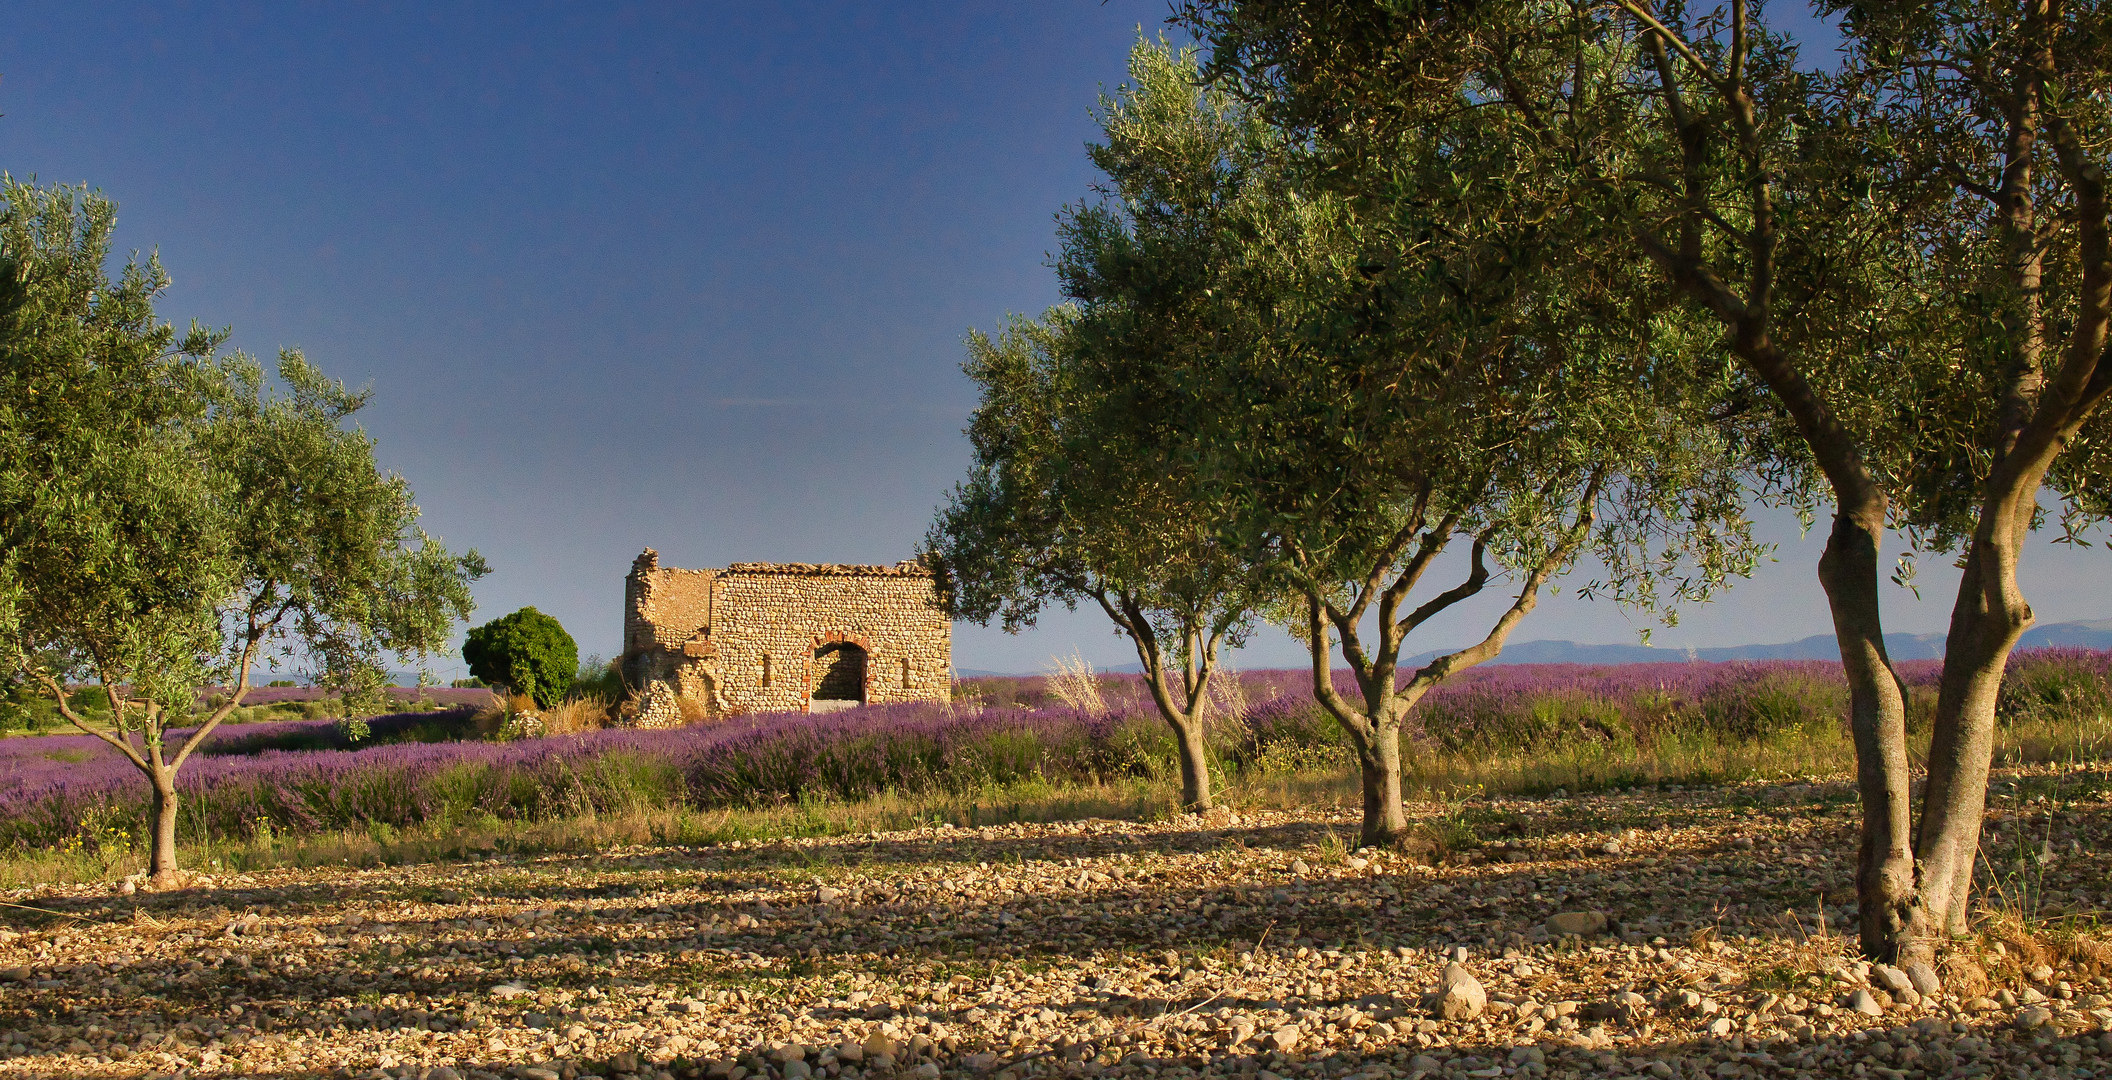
x: 300, y: 776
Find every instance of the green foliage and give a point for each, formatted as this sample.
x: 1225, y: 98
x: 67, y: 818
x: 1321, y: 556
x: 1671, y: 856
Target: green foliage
x: 1071, y: 495
x: 168, y: 519
x: 599, y: 678
x: 527, y: 652
x: 23, y: 708
x: 1363, y: 360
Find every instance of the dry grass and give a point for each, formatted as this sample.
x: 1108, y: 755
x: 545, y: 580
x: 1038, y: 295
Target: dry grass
x: 1227, y: 696
x: 1033, y: 801
x: 588, y: 712
x: 694, y: 709
x: 1071, y: 681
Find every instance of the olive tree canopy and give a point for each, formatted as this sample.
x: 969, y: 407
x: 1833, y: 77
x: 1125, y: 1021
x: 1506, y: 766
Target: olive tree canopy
x: 171, y: 522
x: 1910, y: 257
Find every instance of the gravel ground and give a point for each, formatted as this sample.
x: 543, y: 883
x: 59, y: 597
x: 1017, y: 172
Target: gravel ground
x: 1655, y: 934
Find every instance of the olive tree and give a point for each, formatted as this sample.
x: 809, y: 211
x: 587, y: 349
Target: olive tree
x: 1360, y: 371
x: 1410, y: 396
x: 1907, y: 257
x: 1071, y: 496
x: 1052, y: 513
x: 171, y: 522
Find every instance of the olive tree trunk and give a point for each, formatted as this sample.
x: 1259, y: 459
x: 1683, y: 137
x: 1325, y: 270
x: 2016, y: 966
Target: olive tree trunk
x: 1200, y: 632
x: 1988, y: 617
x: 161, y: 843
x: 1877, y: 719
x: 1195, y: 765
x: 1379, y: 770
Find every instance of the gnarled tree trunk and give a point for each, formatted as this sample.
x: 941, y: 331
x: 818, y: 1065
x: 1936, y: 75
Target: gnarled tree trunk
x: 161, y: 847
x: 1379, y: 769
x: 1195, y: 759
x: 1877, y: 718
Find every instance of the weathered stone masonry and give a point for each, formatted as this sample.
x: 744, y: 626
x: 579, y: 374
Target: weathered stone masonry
x: 758, y: 637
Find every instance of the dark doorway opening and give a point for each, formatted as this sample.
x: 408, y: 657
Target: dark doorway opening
x: 839, y: 676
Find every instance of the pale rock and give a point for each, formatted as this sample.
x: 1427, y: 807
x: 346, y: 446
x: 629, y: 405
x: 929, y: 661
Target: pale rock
x: 2033, y: 1016
x: 850, y: 1053
x: 798, y: 1070
x: 1721, y: 1027
x: 509, y: 991
x: 442, y: 1072
x: 1460, y: 995
x: 1578, y: 923
x: 878, y: 1044
x: 1629, y: 1005
x: 1891, y: 978
x: 827, y: 895
x: 1299, y: 867
x: 1863, y: 1001
x: 1285, y: 1039
x: 926, y: 1071
x: 1924, y: 978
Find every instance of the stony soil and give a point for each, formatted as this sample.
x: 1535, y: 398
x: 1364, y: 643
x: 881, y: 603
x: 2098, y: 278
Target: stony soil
x: 1250, y: 945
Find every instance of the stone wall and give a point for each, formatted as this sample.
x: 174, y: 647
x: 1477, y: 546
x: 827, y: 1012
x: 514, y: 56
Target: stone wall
x: 761, y: 637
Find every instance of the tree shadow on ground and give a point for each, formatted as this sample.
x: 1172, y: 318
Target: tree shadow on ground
x: 752, y: 921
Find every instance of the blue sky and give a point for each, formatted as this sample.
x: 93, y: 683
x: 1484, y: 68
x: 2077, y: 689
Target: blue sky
x: 686, y: 276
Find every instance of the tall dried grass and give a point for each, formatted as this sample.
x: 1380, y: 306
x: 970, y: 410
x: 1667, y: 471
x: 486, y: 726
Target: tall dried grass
x: 587, y: 712
x: 1071, y: 681
x: 1227, y: 696
x: 694, y: 709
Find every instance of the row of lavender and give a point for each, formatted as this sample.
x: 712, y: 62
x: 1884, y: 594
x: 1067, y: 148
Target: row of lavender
x: 50, y: 785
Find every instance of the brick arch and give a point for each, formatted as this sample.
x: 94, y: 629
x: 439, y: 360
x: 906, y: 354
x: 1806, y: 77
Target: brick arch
x: 843, y: 637
x: 831, y: 639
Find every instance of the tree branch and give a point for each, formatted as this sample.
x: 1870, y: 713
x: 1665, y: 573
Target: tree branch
x: 1528, y: 596
x: 58, y: 693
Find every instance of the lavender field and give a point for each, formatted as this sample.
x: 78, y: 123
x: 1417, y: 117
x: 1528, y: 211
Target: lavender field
x: 285, y: 777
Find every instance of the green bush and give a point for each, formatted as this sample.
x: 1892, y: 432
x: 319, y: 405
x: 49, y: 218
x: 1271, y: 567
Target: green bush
x: 22, y: 708
x: 599, y: 678
x: 526, y: 652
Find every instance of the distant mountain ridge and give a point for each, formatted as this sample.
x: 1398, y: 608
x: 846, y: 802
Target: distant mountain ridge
x: 2095, y: 634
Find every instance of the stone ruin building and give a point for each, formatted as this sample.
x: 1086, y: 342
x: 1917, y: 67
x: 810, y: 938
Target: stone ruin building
x: 786, y: 637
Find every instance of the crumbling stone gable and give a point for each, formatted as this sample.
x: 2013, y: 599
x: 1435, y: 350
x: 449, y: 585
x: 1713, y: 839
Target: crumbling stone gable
x: 780, y: 637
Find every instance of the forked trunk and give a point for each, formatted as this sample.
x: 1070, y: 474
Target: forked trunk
x: 1877, y: 717
x: 1379, y: 763
x: 1195, y: 763
x: 161, y: 849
